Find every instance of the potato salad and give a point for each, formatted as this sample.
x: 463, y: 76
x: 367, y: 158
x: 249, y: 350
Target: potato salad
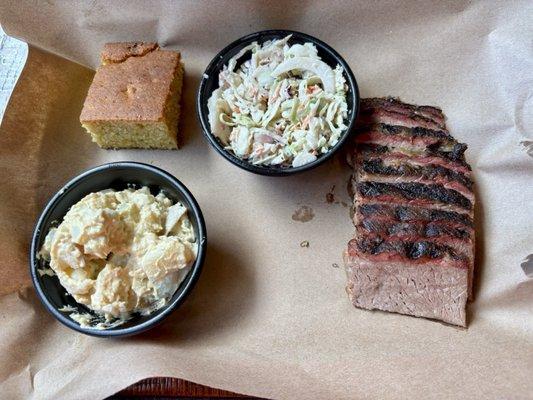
x: 122, y: 252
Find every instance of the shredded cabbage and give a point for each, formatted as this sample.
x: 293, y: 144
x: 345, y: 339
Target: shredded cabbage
x: 283, y: 106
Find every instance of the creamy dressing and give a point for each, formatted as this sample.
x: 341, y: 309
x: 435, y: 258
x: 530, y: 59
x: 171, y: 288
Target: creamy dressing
x: 121, y: 252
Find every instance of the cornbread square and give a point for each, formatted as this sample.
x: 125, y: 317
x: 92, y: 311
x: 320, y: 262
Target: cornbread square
x: 133, y: 101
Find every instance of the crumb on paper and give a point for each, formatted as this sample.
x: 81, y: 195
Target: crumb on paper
x: 303, y: 214
x: 330, y: 196
x: 335, y: 265
x: 305, y: 243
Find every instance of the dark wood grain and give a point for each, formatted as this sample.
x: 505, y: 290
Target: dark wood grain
x: 173, y: 388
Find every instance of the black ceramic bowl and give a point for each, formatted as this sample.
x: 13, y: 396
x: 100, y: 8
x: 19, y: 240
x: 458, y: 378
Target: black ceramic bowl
x: 209, y: 83
x: 118, y: 176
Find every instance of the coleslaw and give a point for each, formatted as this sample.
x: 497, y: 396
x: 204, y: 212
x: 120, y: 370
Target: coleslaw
x: 284, y: 106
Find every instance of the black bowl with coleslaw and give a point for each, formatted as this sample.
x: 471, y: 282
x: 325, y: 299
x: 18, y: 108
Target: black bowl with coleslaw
x: 210, y: 82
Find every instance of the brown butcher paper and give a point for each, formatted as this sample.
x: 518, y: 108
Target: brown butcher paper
x: 269, y: 316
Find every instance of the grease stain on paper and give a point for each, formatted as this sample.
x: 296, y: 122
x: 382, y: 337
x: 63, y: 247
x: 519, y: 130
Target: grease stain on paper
x: 330, y: 196
x: 303, y: 214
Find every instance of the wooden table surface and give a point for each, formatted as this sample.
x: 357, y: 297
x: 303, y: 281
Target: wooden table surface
x: 167, y: 388
x: 12, y: 57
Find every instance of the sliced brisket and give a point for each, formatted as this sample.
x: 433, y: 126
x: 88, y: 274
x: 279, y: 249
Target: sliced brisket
x: 387, y: 116
x: 430, y: 172
x: 413, y: 214
x: 413, y: 191
x: 390, y: 103
x: 413, y: 250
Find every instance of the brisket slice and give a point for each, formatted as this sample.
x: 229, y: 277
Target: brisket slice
x: 371, y: 113
x: 412, y: 153
x: 429, y: 172
x: 404, y: 139
x: 395, y: 105
x: 413, y: 249
x: 430, y: 291
x: 436, y: 230
x: 413, y: 214
x: 413, y: 192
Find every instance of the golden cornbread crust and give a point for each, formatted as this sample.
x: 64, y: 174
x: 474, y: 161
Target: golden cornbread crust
x: 118, y: 52
x: 133, y: 90
x: 134, y: 99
